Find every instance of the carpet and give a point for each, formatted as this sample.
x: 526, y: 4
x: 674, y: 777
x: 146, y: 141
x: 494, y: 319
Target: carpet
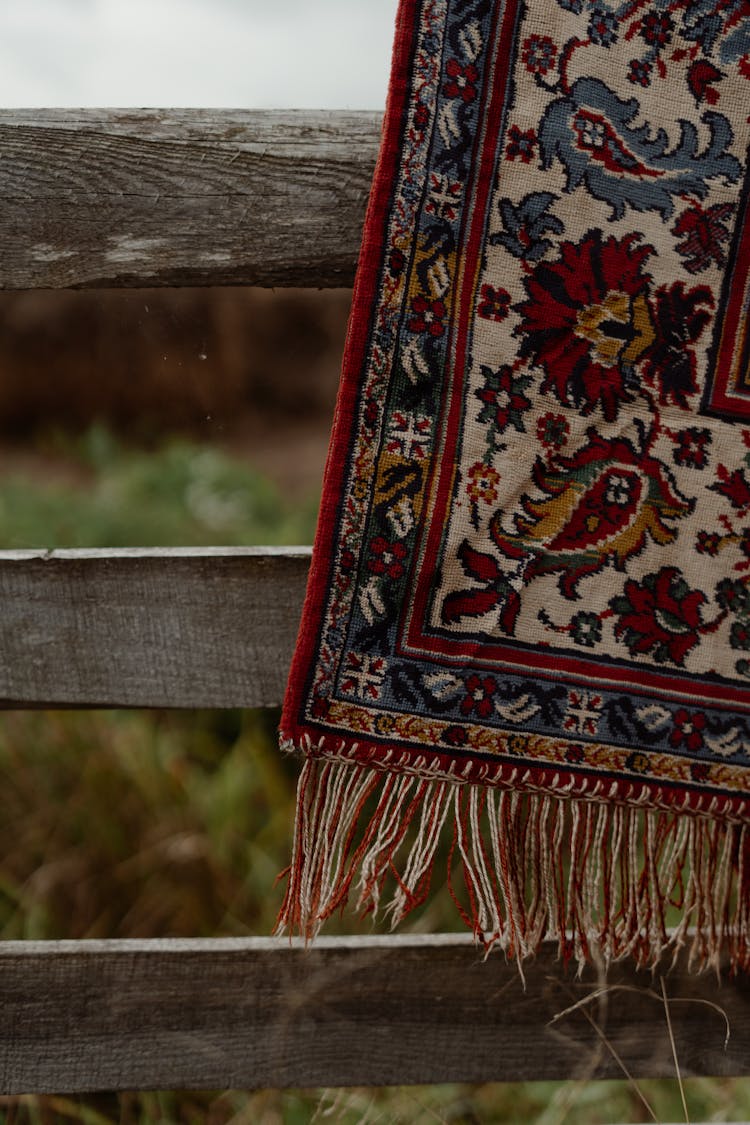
x: 527, y: 627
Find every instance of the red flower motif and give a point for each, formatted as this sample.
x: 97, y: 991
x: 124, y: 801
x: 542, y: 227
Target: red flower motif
x: 660, y: 616
x: 479, y: 693
x: 493, y: 303
x: 386, y: 558
x: 692, y: 448
x: 521, y: 145
x: 587, y: 320
x: 688, y: 729
x: 455, y: 736
x: 461, y: 81
x: 428, y: 316
x: 708, y: 543
x: 539, y: 54
x: 705, y: 233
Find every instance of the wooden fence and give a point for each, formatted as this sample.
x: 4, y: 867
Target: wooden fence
x: 186, y: 197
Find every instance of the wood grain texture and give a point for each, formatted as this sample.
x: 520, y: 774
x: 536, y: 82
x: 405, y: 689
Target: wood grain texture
x: 152, y: 628
x: 182, y: 197
x: 260, y: 1012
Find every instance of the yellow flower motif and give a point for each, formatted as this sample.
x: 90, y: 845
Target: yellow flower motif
x: 483, y: 482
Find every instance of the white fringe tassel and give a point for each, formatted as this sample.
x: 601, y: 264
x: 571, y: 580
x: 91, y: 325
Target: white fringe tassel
x: 603, y: 880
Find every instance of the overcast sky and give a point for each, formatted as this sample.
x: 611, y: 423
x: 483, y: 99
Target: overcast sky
x: 306, y: 53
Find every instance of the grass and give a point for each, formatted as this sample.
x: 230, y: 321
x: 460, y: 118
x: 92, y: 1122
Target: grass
x: 181, y: 494
x: 204, y: 806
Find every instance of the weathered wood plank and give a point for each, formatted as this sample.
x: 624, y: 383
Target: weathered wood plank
x: 151, y: 628
x: 182, y: 197
x: 246, y: 1013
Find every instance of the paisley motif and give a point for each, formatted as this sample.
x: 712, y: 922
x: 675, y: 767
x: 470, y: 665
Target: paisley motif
x: 592, y: 132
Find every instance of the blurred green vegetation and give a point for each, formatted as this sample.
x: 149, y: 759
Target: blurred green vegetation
x: 145, y: 824
x: 179, y: 494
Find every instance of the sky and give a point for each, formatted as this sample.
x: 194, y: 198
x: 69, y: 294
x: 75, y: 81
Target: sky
x: 326, y: 54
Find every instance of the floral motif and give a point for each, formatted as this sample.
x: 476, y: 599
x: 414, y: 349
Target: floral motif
x: 482, y: 483
x: 428, y: 315
x: 700, y: 772
x: 461, y: 81
x: 495, y: 590
x: 639, y: 72
x: 396, y: 262
x: 734, y: 486
x: 526, y: 226
x: 692, y: 447
x: 583, y: 712
x: 409, y: 435
x: 680, y: 315
x: 704, y: 234
x: 493, y: 303
x: 734, y: 595
x: 478, y: 698
x: 386, y: 558
x: 657, y: 28
x: 602, y: 26
x: 739, y: 635
x: 553, y: 431
x: 363, y: 675
x: 592, y: 320
x: 586, y: 629
x: 503, y: 399
x: 708, y: 543
x: 421, y: 116
x: 688, y: 729
x: 660, y: 616
x: 637, y: 762
x: 587, y: 321
x: 521, y: 144
x: 539, y: 54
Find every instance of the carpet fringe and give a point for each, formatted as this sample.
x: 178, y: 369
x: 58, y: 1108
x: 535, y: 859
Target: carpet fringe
x: 605, y: 881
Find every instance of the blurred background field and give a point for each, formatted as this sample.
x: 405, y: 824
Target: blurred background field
x: 191, y: 418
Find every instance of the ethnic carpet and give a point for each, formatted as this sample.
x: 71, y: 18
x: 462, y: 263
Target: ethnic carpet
x: 527, y: 627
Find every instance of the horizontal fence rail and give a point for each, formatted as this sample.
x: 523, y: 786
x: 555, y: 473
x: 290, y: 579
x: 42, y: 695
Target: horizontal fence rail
x: 82, y: 1016
x: 95, y: 198
x: 210, y: 627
